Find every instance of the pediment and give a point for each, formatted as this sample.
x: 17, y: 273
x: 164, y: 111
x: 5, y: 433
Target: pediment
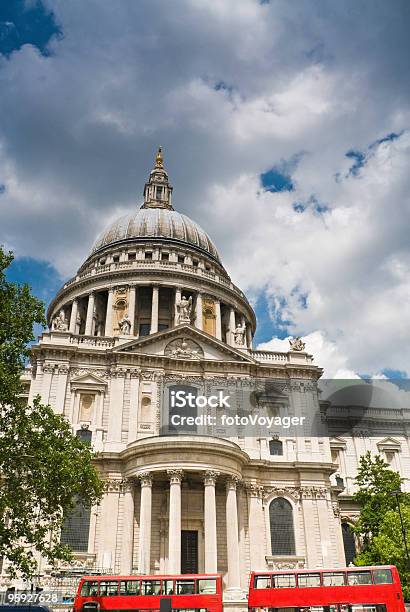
x: 88, y: 380
x: 184, y: 342
x: 389, y: 444
x: 337, y: 443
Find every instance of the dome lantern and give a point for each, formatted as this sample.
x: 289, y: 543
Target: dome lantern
x: 157, y: 191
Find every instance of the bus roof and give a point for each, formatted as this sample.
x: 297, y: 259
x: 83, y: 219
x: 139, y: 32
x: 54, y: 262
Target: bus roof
x: 149, y: 577
x: 355, y: 568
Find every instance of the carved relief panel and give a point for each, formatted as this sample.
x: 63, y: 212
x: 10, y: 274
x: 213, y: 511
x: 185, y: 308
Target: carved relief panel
x: 209, y: 317
x: 120, y: 308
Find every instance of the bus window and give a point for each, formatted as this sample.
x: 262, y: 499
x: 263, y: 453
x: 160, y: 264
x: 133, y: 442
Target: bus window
x: 185, y: 587
x: 262, y: 582
x: 382, y: 576
x: 207, y: 586
x: 367, y: 608
x: 151, y: 587
x: 168, y: 587
x: 130, y: 587
x: 334, y: 579
x: 309, y: 580
x: 284, y: 581
x: 108, y: 587
x: 354, y: 578
x: 89, y: 589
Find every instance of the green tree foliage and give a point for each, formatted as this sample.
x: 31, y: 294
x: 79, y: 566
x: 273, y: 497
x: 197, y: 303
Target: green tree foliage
x: 388, y: 545
x: 379, y: 526
x: 43, y: 467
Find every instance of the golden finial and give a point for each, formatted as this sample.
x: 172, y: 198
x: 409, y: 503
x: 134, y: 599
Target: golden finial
x: 159, y: 161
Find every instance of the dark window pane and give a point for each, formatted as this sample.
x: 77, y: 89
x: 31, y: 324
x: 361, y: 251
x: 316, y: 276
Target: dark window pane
x: 85, y: 435
x: 383, y: 576
x: 281, y: 527
x: 144, y: 329
x: 275, y: 447
x: 76, y: 527
x: 348, y: 543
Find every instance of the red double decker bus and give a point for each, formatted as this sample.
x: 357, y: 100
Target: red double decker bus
x: 353, y: 589
x: 187, y: 593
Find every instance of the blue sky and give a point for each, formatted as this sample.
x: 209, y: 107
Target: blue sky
x: 289, y: 146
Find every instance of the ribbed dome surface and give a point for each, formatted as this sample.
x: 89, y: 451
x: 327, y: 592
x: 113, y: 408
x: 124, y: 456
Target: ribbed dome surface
x: 156, y: 223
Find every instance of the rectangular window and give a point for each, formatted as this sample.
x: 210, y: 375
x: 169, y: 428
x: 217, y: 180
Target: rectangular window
x: 262, y: 582
x: 159, y: 192
x: 284, y: 581
x: 309, y: 580
x: 162, y: 326
x: 185, y: 587
x: 382, y: 576
x: 116, y: 258
x: 195, y: 263
x: 356, y: 578
x: 367, y: 608
x: 207, y: 586
x: 181, y: 259
x: 144, y: 329
x: 151, y: 587
x: 165, y: 256
x: 334, y: 579
x: 130, y: 587
x: 131, y: 256
x: 89, y: 589
x: 108, y: 588
x: 148, y: 255
x: 168, y: 587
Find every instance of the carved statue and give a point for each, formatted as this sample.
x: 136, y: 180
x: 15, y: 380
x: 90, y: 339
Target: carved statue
x: 98, y: 324
x: 239, y: 334
x: 184, y: 308
x: 125, y: 325
x: 183, y: 348
x: 59, y: 322
x: 296, y: 344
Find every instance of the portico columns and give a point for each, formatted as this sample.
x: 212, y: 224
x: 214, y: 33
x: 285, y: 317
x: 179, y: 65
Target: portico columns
x: 73, y: 317
x: 174, y: 536
x: 108, y: 316
x: 249, y: 336
x: 232, y: 326
x: 177, y: 300
x: 211, y: 559
x: 256, y: 526
x: 131, y: 308
x: 154, y: 311
x: 198, y: 311
x: 128, y: 529
x: 144, y: 557
x: 90, y: 312
x: 218, y: 323
x: 232, y: 538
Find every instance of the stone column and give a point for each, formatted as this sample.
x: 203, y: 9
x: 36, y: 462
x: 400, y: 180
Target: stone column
x: 232, y: 539
x: 211, y: 559
x: 177, y: 300
x: 218, y: 323
x: 232, y: 326
x: 90, y: 312
x: 131, y: 308
x: 256, y: 526
x: 108, y: 314
x: 144, y: 556
x: 154, y: 310
x: 73, y: 317
x: 249, y: 336
x: 174, y: 536
x: 198, y: 311
x: 127, y: 529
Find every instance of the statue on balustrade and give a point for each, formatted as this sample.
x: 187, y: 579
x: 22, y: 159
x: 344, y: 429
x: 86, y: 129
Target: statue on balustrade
x: 125, y: 325
x: 239, y: 334
x: 59, y: 322
x: 184, y: 308
x: 296, y: 344
x: 98, y: 323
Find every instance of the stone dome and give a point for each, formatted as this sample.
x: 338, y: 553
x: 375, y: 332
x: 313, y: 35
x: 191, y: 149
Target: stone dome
x: 153, y: 223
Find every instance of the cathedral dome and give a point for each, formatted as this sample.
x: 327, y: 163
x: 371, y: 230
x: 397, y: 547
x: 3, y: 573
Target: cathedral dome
x: 152, y: 223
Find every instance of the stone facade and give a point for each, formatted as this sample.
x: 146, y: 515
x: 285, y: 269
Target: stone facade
x: 153, y: 304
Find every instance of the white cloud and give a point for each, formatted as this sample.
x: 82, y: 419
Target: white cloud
x: 229, y: 89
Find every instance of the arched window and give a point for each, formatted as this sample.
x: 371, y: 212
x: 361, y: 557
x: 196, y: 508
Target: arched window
x: 85, y: 435
x: 348, y: 543
x: 275, y: 447
x: 281, y: 527
x: 76, y: 527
